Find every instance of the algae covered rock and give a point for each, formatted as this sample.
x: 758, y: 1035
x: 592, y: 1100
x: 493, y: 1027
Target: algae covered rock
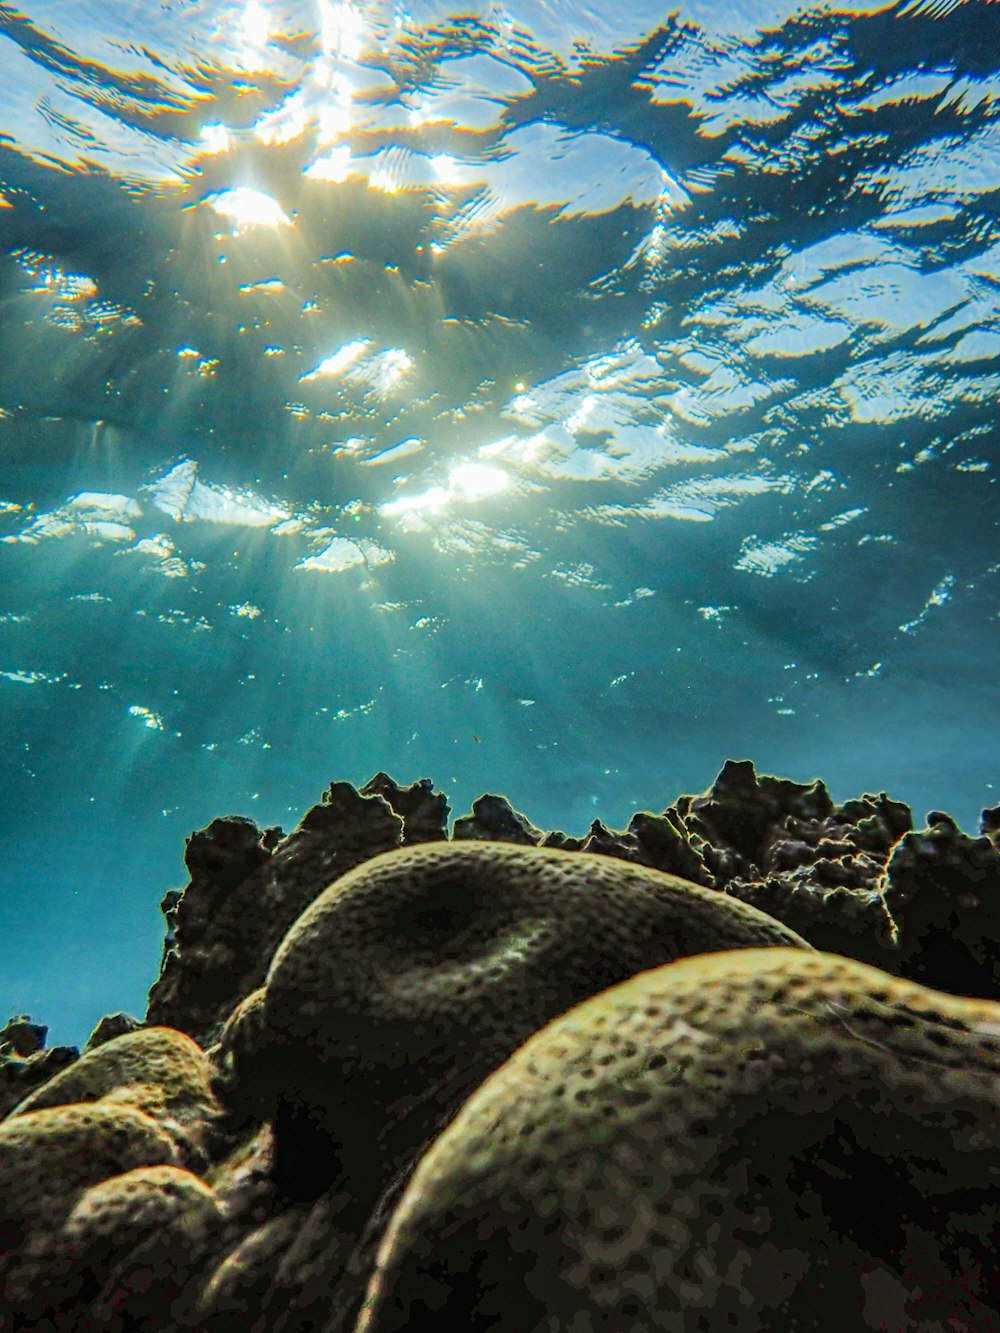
x: 494, y: 819
x: 19, y: 1077
x: 111, y: 1026
x: 659, y: 841
x: 48, y: 1157
x: 684, y: 1152
x: 20, y: 1036
x: 637, y: 1096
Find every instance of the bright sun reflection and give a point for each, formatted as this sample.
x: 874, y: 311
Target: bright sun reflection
x: 445, y: 168
x: 215, y: 138
x: 434, y: 498
x: 255, y: 25
x: 472, y: 481
x: 380, y: 179
x: 334, y: 167
x: 467, y: 481
x: 342, y: 29
x: 339, y: 361
x: 248, y: 208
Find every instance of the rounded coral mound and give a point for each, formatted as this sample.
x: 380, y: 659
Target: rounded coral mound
x: 157, y: 1070
x: 412, y: 977
x: 763, y: 1140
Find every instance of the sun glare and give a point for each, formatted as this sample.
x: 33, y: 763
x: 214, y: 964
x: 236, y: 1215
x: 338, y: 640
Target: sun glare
x: 335, y: 166
x: 474, y: 481
x: 247, y: 208
x: 339, y: 361
x: 256, y: 29
x: 215, y: 138
x: 342, y: 29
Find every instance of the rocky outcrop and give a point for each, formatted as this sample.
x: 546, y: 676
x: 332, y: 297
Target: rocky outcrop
x: 25, y: 1061
x: 242, y: 897
x: 494, y: 819
x: 943, y: 894
x: 423, y: 810
x: 392, y: 1080
x: 111, y: 1026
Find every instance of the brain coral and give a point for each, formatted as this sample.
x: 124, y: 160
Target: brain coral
x: 47, y: 1159
x: 158, y: 1070
x: 158, y: 1055
x: 125, y: 1258
x: 139, y: 1239
x: 764, y: 1140
x: 416, y: 974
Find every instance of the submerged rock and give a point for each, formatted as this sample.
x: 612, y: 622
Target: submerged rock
x: 25, y: 1061
x: 406, y: 982
x: 943, y: 892
x: 19, y: 1036
x: 243, y: 897
x: 423, y: 810
x: 659, y: 841
x: 494, y: 819
x: 111, y: 1026
x: 19, y: 1077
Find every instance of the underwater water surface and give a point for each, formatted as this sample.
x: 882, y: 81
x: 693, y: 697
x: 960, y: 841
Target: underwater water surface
x: 548, y: 399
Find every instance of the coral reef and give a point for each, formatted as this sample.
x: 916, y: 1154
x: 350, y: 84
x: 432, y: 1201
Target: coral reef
x: 689, y: 1133
x: 518, y: 1080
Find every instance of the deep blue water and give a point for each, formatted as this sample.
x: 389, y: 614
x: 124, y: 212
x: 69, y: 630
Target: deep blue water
x: 546, y: 399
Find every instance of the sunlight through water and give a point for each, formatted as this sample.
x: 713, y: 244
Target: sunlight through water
x: 554, y: 400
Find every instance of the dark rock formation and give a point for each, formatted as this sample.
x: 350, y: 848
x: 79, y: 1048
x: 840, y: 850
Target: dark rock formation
x: 423, y: 810
x: 111, y: 1026
x: 404, y: 984
x: 19, y: 1036
x: 659, y: 841
x: 625, y: 1170
x: 20, y: 1076
x: 242, y: 898
x: 494, y: 819
x: 943, y: 892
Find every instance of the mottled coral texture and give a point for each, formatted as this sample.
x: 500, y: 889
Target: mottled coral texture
x: 734, y: 1067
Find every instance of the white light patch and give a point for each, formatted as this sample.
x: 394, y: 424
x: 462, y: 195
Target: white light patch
x: 334, y: 167
x: 381, y: 179
x: 388, y: 369
x: 446, y: 169
x: 342, y: 30
x: 254, y: 25
x: 186, y: 499
x: 149, y: 718
x: 341, y: 360
x: 474, y: 481
x: 215, y: 138
x: 405, y: 449
x: 434, y: 498
x: 247, y: 208
x: 31, y: 677
x: 342, y: 553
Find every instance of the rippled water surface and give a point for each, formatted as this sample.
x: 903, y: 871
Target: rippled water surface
x: 547, y: 399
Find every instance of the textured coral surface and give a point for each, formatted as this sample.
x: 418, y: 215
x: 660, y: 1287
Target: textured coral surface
x: 735, y: 1066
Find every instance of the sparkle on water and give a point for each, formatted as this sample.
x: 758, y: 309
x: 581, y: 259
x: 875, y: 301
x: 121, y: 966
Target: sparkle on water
x: 547, y: 399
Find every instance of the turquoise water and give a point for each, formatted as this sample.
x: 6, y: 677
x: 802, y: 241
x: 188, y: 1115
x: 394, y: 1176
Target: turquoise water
x: 536, y: 398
